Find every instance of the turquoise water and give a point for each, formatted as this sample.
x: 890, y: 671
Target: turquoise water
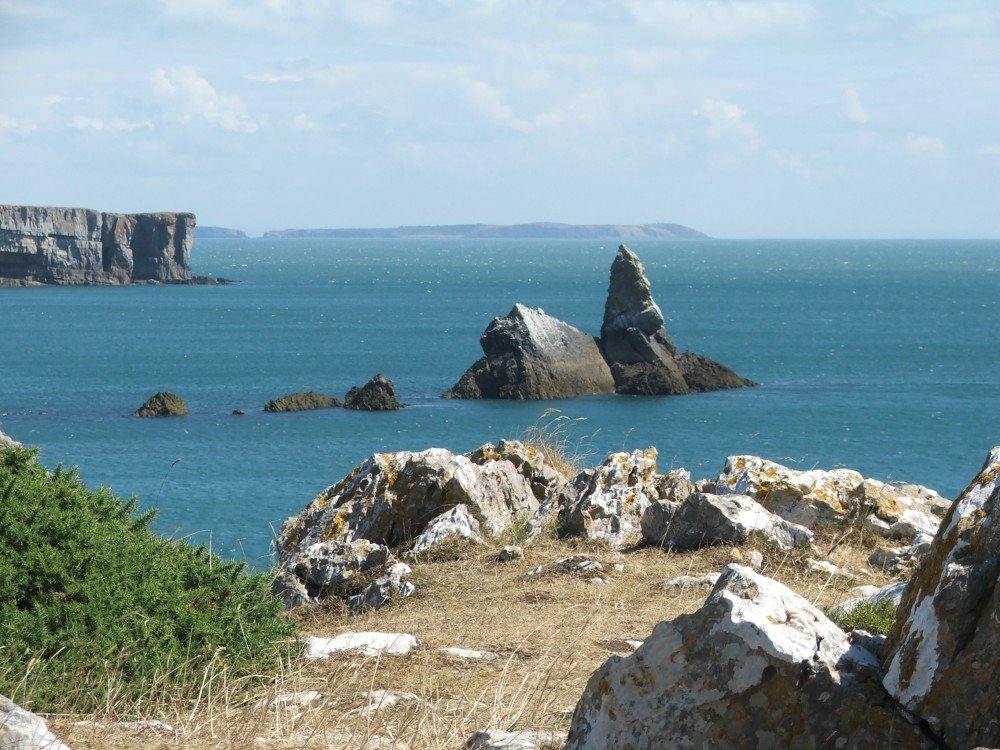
x: 880, y: 356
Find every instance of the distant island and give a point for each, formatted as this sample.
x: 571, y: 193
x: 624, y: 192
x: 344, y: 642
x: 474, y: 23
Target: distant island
x: 533, y: 231
x: 220, y: 233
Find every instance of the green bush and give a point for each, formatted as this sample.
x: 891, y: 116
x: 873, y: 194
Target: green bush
x: 96, y: 611
x: 877, y: 619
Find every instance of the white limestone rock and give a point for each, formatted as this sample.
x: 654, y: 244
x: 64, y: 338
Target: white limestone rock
x: 457, y: 525
x: 871, y: 595
x: 466, y: 654
x: 756, y: 666
x: 328, y: 570
x: 23, y: 730
x: 378, y: 700
x: 499, y: 739
x: 702, y: 520
x: 611, y: 499
x: 364, y: 644
x: 942, y: 656
x: 391, y: 585
x: 681, y: 583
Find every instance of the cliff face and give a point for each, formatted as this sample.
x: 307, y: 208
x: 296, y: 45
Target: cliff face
x: 80, y: 246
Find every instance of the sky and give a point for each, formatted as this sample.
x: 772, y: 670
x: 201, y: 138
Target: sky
x: 748, y: 118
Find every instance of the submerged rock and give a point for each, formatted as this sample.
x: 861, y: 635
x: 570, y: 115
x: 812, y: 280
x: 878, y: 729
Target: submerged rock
x: 378, y: 394
x: 637, y: 347
x: 756, y: 666
x: 531, y: 355
x: 162, y: 404
x: 942, y: 657
x: 303, y: 401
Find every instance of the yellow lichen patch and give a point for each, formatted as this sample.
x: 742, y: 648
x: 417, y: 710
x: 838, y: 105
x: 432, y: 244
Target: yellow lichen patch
x: 887, y: 508
x: 337, y: 525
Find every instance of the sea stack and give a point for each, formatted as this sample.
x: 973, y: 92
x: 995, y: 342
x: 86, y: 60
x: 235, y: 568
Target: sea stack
x: 531, y: 355
x: 642, y: 357
x: 46, y: 245
x: 378, y: 394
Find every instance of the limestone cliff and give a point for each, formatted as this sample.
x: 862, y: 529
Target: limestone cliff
x: 81, y: 246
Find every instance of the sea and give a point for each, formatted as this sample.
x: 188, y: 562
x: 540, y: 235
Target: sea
x: 880, y: 356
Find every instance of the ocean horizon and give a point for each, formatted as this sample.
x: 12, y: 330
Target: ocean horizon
x: 876, y: 355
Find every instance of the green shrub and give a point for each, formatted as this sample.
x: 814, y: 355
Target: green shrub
x: 97, y: 611
x: 877, y: 619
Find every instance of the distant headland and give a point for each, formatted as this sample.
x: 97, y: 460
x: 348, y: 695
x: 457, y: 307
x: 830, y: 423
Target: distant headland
x: 220, y: 233
x: 536, y: 230
x: 48, y: 245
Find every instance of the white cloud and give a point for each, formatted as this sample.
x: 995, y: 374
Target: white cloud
x: 924, y: 146
x: 11, y: 124
x: 728, y: 123
x: 82, y: 122
x: 303, y: 123
x: 489, y: 101
x: 853, y: 107
x: 273, y: 78
x: 989, y: 149
x: 192, y: 96
x: 121, y: 125
x: 714, y: 19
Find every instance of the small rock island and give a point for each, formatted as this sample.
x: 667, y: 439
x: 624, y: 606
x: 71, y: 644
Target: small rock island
x: 45, y: 245
x: 531, y: 355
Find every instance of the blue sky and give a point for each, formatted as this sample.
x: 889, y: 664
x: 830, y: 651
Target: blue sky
x: 767, y: 118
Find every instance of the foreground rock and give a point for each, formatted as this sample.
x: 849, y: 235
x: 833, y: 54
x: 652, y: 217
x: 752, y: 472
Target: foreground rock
x: 942, y: 656
x: 392, y: 497
x: 756, y: 666
x: 818, y: 498
x: 702, y: 520
x: 363, y: 644
x: 8, y: 442
x: 642, y: 357
x: 80, y: 246
x: 378, y: 394
x: 500, y: 739
x: 23, y: 730
x: 303, y: 401
x: 162, y: 404
x: 531, y: 355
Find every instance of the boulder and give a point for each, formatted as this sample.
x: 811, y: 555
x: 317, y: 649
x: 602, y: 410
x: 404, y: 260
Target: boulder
x: 392, y: 497
x: 942, y: 658
x: 162, y: 404
x: 391, y: 585
x: 531, y: 355
x: 378, y: 394
x: 328, y: 570
x: 8, y: 442
x: 611, y: 499
x: 364, y: 644
x: 702, y: 520
x: 500, y: 739
x: 836, y: 497
x: 900, y: 559
x: 510, y: 553
x: 638, y: 349
x: 531, y: 462
x: 456, y: 526
x: 756, y: 666
x: 303, y: 401
x: 23, y: 730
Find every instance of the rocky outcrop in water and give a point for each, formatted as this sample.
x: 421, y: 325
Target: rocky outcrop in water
x: 531, y: 355
x: 378, y: 394
x: 304, y: 401
x: 80, y: 246
x: 642, y: 357
x: 162, y: 404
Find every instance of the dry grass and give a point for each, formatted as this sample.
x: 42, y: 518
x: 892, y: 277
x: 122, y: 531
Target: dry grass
x: 551, y: 631
x: 552, y: 436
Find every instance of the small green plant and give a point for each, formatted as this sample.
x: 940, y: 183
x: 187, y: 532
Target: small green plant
x: 96, y: 610
x: 517, y: 533
x: 877, y: 618
x: 551, y: 436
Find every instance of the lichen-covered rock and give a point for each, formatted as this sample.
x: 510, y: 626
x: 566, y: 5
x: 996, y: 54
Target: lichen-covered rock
x: 655, y: 521
x: 392, y: 497
x: 702, y: 520
x: 896, y: 560
x: 391, y: 585
x: 836, y: 497
x: 456, y: 526
x: 80, y: 246
x: 530, y: 462
x: 328, y: 570
x: 303, y: 401
x: 756, y: 666
x: 162, y: 404
x: 639, y: 351
x: 611, y: 499
x: 378, y: 394
x: 23, y: 730
x: 943, y: 654
x: 531, y: 355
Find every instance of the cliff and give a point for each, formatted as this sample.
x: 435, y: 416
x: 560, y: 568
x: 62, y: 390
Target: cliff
x: 538, y: 231
x: 81, y: 246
